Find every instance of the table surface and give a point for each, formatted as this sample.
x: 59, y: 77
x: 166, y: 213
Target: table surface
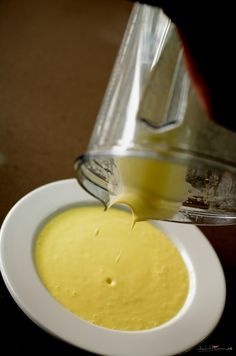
x: 55, y: 60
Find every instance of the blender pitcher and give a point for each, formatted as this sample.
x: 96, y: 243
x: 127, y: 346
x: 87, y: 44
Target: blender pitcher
x: 153, y: 146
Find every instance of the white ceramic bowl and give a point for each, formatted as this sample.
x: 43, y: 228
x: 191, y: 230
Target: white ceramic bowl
x: 198, y: 317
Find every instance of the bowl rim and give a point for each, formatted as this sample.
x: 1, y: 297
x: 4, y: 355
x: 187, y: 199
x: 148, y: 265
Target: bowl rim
x: 195, y: 321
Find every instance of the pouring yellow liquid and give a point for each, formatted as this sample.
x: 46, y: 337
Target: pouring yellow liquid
x: 153, y: 189
x: 112, y: 275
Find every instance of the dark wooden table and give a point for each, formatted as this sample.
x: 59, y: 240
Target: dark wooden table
x: 55, y: 60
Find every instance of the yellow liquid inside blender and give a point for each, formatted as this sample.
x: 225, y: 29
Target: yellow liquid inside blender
x: 152, y: 189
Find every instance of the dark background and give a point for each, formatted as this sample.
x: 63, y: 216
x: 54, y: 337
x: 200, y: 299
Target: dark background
x: 55, y: 60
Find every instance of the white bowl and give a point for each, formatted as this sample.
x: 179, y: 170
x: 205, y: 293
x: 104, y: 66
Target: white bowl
x: 198, y: 317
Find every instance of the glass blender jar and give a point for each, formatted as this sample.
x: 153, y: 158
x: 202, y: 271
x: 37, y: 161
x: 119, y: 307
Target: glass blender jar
x: 153, y: 146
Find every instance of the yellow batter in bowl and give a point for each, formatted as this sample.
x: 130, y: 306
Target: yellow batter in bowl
x: 108, y: 273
